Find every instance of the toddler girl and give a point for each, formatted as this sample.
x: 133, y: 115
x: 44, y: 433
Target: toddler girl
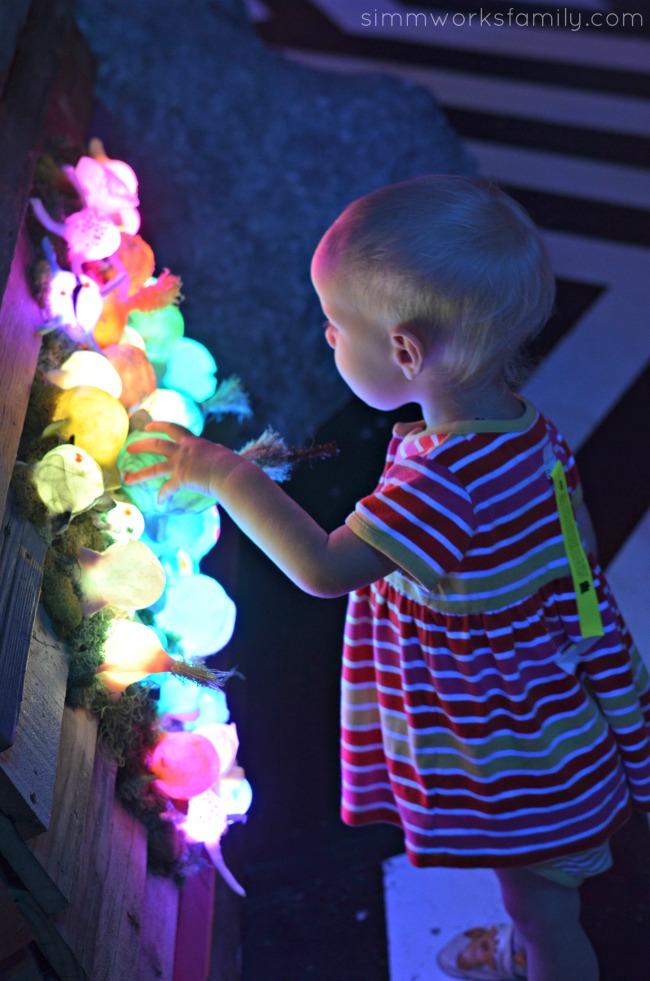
x: 492, y: 699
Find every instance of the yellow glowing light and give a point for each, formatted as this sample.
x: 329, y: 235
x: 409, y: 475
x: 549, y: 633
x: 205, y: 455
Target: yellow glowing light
x: 96, y: 420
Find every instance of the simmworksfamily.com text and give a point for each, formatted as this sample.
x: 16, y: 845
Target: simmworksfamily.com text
x: 574, y: 20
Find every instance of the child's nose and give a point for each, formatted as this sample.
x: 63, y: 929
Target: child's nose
x: 330, y: 335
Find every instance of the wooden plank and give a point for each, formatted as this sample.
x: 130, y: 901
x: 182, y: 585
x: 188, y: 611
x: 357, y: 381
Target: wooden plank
x: 101, y: 927
x: 20, y: 318
x: 21, y: 967
x: 14, y: 15
x: 28, y: 767
x: 47, y: 938
x: 51, y: 84
x: 72, y: 102
x: 22, y: 552
x: 24, y: 106
x: 23, y: 112
x: 195, y: 923
x: 226, y: 957
x: 14, y: 931
x: 158, y: 937
x: 48, y: 863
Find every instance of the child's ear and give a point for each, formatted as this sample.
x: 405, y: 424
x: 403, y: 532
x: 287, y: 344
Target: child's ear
x: 407, y: 349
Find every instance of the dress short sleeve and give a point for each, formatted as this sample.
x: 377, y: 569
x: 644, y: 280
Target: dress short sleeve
x: 565, y: 455
x: 420, y: 515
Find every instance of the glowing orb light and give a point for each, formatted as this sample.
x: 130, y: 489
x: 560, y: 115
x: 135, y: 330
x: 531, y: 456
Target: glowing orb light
x: 133, y: 337
x: 112, y: 323
x: 160, y: 329
x: 91, y: 235
x: 236, y: 793
x: 191, y: 370
x: 193, y: 533
x: 177, y: 563
x: 68, y: 479
x: 191, y: 704
x: 207, y: 818
x: 225, y: 740
x: 135, y: 372
x: 132, y: 651
x: 75, y: 301
x: 186, y: 764
x: 177, y: 699
x: 98, y: 422
x: 123, y: 522
x: 87, y: 368
x: 127, y: 576
x: 166, y: 405
x: 138, y: 260
x: 109, y: 186
x: 212, y: 706
x: 199, y: 611
x: 145, y: 495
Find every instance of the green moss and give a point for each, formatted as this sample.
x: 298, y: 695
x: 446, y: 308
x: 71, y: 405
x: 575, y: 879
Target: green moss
x: 53, y: 187
x: 59, y: 596
x: 41, y: 410
x: 40, y: 279
x: 60, y: 592
x: 126, y: 725
x: 85, y: 647
x: 56, y: 348
x: 81, y: 532
x: 28, y: 503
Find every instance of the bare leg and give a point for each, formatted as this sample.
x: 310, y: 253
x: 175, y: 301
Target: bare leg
x: 546, y: 919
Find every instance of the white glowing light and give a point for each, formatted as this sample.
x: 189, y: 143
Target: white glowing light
x: 127, y: 576
x: 207, y: 818
x: 167, y: 405
x: 225, y: 740
x: 123, y: 522
x: 236, y: 793
x: 199, y: 611
x: 68, y: 479
x: 75, y: 301
x: 87, y: 368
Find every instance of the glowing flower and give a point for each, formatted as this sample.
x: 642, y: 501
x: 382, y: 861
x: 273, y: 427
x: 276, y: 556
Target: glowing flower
x: 127, y: 576
x: 96, y: 420
x: 186, y: 764
x: 199, y: 611
x: 123, y: 522
x: 109, y: 186
x: 87, y: 368
x: 68, y: 479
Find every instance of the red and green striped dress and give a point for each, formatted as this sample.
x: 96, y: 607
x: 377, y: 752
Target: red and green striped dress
x: 473, y: 713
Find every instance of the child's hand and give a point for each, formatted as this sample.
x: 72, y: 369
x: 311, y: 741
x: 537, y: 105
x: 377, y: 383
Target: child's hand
x: 190, y: 461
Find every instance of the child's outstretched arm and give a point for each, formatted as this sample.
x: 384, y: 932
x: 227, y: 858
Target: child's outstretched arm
x: 319, y: 563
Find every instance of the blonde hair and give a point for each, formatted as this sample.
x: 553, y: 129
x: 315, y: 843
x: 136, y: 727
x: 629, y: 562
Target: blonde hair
x: 455, y: 256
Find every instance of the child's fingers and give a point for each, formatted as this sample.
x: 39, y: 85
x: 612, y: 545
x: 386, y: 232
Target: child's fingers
x: 162, y: 447
x: 160, y: 469
x: 172, y: 429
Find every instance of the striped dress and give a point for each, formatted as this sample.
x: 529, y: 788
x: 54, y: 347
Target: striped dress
x: 474, y: 715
